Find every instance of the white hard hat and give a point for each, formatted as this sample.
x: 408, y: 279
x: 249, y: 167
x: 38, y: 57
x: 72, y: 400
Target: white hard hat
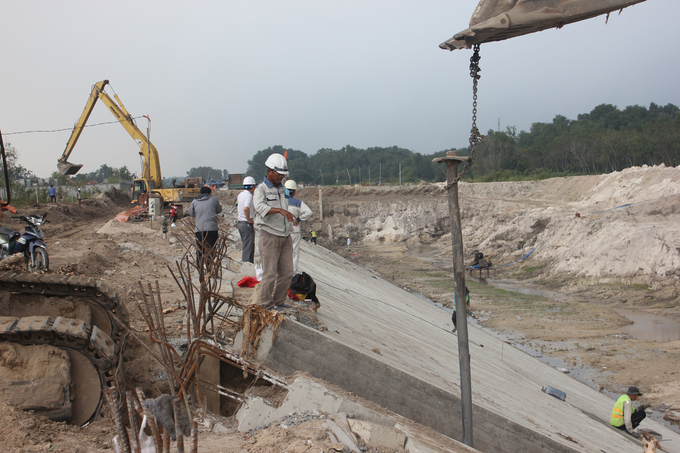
x: 277, y: 163
x: 249, y: 181
x: 290, y: 185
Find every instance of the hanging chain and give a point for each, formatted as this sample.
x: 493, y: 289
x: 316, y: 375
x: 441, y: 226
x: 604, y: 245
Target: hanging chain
x: 475, y: 137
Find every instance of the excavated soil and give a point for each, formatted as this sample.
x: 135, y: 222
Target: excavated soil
x: 587, y: 274
x: 85, y: 241
x: 563, y: 302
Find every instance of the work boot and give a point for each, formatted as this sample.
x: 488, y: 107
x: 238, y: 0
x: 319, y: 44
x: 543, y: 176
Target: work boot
x: 454, y: 330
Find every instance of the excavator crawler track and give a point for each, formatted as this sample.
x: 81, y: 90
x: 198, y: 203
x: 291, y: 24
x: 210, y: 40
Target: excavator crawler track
x: 95, y: 349
x: 87, y: 289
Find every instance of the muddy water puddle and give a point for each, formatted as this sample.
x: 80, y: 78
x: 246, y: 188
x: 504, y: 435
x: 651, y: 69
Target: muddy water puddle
x: 649, y: 327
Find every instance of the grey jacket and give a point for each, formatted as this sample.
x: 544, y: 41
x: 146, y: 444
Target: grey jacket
x: 269, y: 196
x: 205, y: 209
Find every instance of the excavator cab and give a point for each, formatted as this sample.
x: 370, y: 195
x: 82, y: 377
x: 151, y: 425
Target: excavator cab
x: 496, y: 20
x: 139, y: 191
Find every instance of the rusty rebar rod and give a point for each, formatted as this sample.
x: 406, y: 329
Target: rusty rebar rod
x: 179, y: 431
x: 194, y: 436
x: 111, y: 397
x: 150, y: 420
x: 134, y: 439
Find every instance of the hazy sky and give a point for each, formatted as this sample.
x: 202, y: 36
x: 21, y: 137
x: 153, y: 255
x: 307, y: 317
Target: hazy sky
x: 222, y: 80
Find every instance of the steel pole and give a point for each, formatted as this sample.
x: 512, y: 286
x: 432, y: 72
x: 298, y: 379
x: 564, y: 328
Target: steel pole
x: 452, y: 161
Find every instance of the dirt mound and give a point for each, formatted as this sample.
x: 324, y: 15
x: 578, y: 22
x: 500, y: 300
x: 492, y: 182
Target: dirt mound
x: 118, y: 196
x: 25, y: 432
x: 622, y: 217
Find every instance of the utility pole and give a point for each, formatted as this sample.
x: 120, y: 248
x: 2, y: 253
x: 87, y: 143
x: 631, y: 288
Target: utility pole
x: 321, y: 177
x: 452, y: 161
x: 148, y: 165
x: 350, y: 178
x: 369, y: 174
x: 399, y: 174
x: 380, y: 180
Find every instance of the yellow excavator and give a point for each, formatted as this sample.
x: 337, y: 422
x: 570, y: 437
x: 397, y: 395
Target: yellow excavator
x: 151, y: 180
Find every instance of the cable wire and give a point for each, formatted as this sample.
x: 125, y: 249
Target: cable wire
x: 65, y: 129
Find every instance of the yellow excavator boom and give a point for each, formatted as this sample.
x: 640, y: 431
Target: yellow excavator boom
x: 151, y: 169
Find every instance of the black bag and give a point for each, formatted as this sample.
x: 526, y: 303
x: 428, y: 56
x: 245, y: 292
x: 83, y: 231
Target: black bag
x: 304, y: 284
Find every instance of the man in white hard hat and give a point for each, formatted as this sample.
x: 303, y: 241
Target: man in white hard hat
x: 246, y: 221
x: 275, y: 223
x: 301, y: 212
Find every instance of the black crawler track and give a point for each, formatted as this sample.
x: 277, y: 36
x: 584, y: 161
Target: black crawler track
x: 102, y: 345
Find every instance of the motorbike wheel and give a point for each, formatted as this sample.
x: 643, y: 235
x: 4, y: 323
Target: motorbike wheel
x: 40, y: 258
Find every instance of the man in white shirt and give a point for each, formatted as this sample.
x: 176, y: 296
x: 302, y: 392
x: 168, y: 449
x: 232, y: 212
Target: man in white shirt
x: 246, y: 222
x: 301, y: 212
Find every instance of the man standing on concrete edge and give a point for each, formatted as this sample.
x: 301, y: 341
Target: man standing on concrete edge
x: 624, y: 415
x: 204, y: 209
x: 246, y: 223
x: 301, y: 212
x: 275, y: 222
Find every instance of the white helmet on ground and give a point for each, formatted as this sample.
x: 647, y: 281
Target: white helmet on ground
x: 277, y: 163
x: 291, y: 185
x: 249, y: 182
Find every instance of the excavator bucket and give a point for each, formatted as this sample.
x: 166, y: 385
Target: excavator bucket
x: 67, y: 168
x: 496, y: 20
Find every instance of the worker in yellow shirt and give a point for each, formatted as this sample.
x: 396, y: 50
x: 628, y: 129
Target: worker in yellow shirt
x: 624, y: 415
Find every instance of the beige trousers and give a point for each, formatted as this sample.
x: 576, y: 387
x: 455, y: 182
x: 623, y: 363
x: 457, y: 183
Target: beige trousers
x: 276, y: 254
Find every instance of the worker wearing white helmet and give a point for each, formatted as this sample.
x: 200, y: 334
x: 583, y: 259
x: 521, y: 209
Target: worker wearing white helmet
x: 301, y: 212
x: 275, y: 223
x: 246, y: 219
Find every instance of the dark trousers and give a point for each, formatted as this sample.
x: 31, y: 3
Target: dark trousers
x: 205, y: 241
x: 313, y: 240
x: 247, y: 232
x: 635, y: 419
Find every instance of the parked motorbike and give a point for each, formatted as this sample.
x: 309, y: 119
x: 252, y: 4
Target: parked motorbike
x: 30, y: 243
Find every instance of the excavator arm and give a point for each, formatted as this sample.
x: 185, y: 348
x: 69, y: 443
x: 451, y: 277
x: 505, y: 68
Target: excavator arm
x: 151, y: 169
x: 496, y: 20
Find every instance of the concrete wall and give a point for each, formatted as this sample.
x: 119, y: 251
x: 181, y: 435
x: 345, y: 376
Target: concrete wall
x: 299, y: 348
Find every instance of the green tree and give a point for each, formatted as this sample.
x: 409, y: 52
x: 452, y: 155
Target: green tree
x: 207, y: 173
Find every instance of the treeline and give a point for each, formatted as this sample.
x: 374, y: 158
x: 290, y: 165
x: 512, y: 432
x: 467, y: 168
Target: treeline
x: 351, y: 165
x: 606, y: 139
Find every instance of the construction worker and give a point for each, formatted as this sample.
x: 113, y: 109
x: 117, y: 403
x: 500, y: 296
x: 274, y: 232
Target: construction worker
x: 53, y: 194
x: 301, y: 212
x: 349, y: 243
x: 313, y: 241
x: 164, y: 227
x: 467, y: 304
x: 246, y: 219
x: 79, y: 197
x: 204, y: 209
x: 275, y: 223
x: 624, y: 415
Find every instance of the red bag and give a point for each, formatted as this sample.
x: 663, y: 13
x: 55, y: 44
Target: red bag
x: 248, y: 282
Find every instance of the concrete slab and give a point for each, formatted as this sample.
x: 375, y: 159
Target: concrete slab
x: 415, y: 371
x: 305, y: 395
